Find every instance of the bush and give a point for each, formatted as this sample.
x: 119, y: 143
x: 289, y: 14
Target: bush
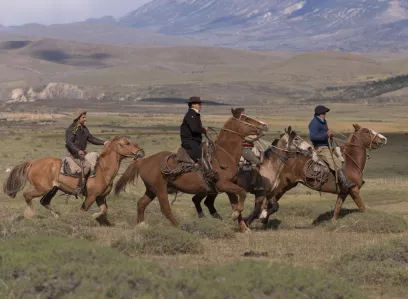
x: 72, y: 224
x: 209, y: 228
x: 158, y: 240
x: 53, y: 267
x: 370, y: 221
x: 383, y: 265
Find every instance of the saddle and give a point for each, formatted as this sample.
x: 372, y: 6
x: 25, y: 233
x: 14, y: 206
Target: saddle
x: 317, y: 170
x: 70, y: 168
x: 185, y: 165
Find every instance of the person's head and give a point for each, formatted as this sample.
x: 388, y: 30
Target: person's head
x: 80, y: 116
x: 195, y: 103
x: 321, y: 111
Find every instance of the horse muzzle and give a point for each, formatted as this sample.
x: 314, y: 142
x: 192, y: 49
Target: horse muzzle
x: 139, y: 155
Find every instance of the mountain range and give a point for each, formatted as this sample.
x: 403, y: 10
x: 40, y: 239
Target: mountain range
x: 345, y: 25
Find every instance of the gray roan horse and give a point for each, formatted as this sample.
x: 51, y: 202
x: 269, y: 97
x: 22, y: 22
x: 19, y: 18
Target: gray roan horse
x: 290, y: 145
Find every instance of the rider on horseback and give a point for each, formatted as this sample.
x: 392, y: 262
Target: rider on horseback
x: 77, y: 136
x: 249, y: 155
x: 191, y: 131
x: 319, y: 135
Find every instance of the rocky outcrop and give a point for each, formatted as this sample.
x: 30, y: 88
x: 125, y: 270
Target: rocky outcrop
x: 52, y: 91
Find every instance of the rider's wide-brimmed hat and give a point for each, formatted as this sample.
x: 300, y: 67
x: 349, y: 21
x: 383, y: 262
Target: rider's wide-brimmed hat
x: 78, y: 113
x: 321, y: 110
x: 195, y: 100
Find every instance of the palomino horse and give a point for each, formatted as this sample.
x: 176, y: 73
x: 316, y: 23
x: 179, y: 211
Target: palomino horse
x: 355, y: 153
x: 45, y: 178
x: 227, y: 153
x: 289, y: 142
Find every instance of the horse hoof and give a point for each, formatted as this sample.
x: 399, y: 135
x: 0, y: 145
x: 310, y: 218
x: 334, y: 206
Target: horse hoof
x: 235, y: 215
x: 244, y: 227
x: 96, y: 215
x: 201, y: 215
x: 29, y: 213
x: 56, y: 215
x: 217, y: 216
x: 263, y: 214
x: 143, y: 225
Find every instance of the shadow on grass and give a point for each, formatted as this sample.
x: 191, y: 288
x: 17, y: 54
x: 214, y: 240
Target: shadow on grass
x: 325, y: 217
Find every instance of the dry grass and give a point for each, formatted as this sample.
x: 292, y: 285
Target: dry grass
x: 208, y: 248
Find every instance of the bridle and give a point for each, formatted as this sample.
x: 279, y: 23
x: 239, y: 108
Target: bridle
x: 245, y: 123
x: 134, y: 155
x: 369, y: 148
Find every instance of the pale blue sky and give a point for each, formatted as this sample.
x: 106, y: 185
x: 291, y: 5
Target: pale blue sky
x: 18, y: 12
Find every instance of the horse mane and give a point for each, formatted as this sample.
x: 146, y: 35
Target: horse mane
x: 269, y: 150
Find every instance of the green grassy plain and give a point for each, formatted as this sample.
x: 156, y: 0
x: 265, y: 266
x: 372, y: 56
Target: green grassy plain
x: 301, y: 254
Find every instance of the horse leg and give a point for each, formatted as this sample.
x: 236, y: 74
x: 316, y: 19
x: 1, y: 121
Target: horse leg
x: 233, y: 198
x: 272, y: 209
x: 355, y: 194
x: 46, y: 201
x: 142, y: 204
x: 102, y: 216
x: 339, y: 203
x: 165, y: 207
x: 209, y: 202
x: 197, y: 203
x: 103, y: 208
x: 29, y: 196
x: 258, y: 206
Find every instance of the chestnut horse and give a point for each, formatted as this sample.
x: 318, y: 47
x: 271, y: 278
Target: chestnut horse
x: 227, y: 152
x: 355, y: 153
x: 45, y: 178
x: 288, y: 146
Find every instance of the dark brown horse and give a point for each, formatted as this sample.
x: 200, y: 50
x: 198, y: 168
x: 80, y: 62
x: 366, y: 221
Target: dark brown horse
x: 355, y: 153
x: 225, y: 161
x: 45, y: 178
x: 288, y: 146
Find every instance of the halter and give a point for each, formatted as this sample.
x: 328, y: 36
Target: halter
x: 245, y: 123
x: 369, y: 148
x: 126, y: 156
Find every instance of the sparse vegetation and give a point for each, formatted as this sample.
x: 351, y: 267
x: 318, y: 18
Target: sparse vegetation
x: 60, y: 267
x: 351, y: 93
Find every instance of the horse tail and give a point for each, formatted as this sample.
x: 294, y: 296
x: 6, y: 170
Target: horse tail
x: 17, y: 179
x: 129, y: 176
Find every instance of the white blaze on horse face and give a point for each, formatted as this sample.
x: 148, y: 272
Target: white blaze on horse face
x: 383, y: 138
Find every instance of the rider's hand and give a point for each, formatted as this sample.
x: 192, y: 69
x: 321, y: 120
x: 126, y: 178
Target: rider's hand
x: 330, y: 133
x: 206, y: 130
x: 81, y: 153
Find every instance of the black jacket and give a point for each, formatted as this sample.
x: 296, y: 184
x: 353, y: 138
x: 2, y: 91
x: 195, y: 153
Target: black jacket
x: 191, y: 129
x: 77, y: 139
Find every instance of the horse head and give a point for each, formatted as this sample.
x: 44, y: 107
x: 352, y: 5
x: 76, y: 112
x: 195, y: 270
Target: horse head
x: 126, y: 148
x: 295, y: 143
x: 369, y: 138
x: 246, y: 125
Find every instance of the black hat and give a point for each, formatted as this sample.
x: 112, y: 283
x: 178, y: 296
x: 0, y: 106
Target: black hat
x: 321, y: 110
x: 194, y: 100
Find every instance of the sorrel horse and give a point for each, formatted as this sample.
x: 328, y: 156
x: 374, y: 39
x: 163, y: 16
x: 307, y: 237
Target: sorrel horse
x: 45, y: 178
x: 288, y: 144
x: 227, y: 152
x: 355, y: 153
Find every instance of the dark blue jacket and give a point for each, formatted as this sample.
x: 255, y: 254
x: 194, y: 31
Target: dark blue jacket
x: 318, y: 132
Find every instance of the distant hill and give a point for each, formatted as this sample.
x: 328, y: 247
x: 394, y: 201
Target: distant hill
x: 347, y: 25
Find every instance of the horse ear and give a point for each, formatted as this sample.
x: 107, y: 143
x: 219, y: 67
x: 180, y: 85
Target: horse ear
x: 232, y: 111
x: 356, y: 127
x: 289, y: 129
x: 286, y: 130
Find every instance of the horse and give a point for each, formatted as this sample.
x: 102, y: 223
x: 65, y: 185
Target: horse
x: 225, y: 159
x: 355, y: 153
x: 272, y: 160
x: 45, y: 178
